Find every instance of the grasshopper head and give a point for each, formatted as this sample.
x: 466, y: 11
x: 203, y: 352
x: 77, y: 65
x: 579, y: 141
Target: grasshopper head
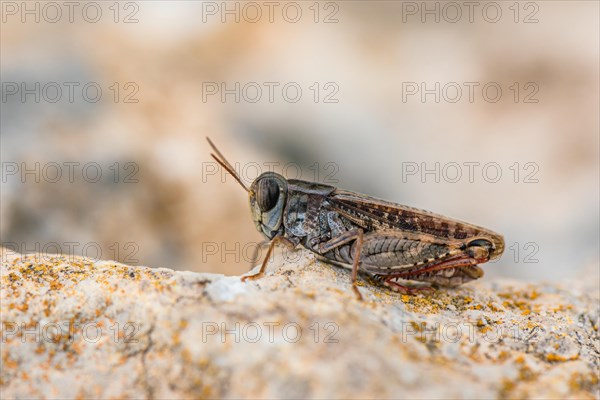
x: 267, y: 201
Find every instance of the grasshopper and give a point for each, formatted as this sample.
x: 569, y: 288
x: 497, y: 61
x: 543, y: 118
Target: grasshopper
x: 388, y: 241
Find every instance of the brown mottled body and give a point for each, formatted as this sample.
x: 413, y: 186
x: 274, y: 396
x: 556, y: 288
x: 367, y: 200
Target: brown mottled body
x: 399, y: 242
x: 389, y: 241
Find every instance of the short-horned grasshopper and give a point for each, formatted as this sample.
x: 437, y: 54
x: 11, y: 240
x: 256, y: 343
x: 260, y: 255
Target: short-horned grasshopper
x: 389, y: 241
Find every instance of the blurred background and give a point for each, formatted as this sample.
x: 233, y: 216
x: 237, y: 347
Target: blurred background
x: 485, y: 112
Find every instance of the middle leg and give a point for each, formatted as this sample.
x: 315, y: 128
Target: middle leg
x: 345, y: 238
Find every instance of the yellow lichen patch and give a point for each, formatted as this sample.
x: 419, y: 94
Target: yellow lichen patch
x: 474, y: 354
x: 506, y: 387
x: 526, y: 373
x: 186, y: 356
x: 503, y: 356
x: 485, y: 329
x: 429, y: 304
x: 422, y: 332
x: 553, y: 357
x: 561, y: 308
x: 416, y: 326
x: 531, y: 325
x: 527, y: 301
x: 76, y: 348
x: 8, y: 363
x: 336, y: 290
x: 201, y: 386
x: 520, y: 359
x: 309, y: 295
x: 485, y: 323
x: 514, y: 389
x: 583, y: 381
x: 379, y: 296
x: 176, y: 338
x: 493, y: 307
x: 56, y: 285
x: 12, y: 277
x: 519, y: 304
x: 463, y: 303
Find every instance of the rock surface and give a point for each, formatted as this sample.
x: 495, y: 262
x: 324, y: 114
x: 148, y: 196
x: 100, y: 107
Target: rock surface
x: 74, y: 327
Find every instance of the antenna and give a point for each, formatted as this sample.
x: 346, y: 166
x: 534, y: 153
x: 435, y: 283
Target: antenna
x: 225, y: 164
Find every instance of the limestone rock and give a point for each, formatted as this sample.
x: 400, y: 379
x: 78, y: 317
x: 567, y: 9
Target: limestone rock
x: 74, y: 327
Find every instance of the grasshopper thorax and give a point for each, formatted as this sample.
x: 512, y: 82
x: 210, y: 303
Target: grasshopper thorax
x: 267, y: 195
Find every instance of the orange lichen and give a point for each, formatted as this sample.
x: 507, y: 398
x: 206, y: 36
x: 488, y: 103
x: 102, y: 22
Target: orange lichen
x: 520, y: 359
x: 553, y: 357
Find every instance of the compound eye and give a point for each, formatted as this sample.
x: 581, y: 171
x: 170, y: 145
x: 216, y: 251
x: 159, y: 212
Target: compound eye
x: 267, y: 194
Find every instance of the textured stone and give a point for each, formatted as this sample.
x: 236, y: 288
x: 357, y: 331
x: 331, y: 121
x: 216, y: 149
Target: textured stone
x: 75, y: 327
